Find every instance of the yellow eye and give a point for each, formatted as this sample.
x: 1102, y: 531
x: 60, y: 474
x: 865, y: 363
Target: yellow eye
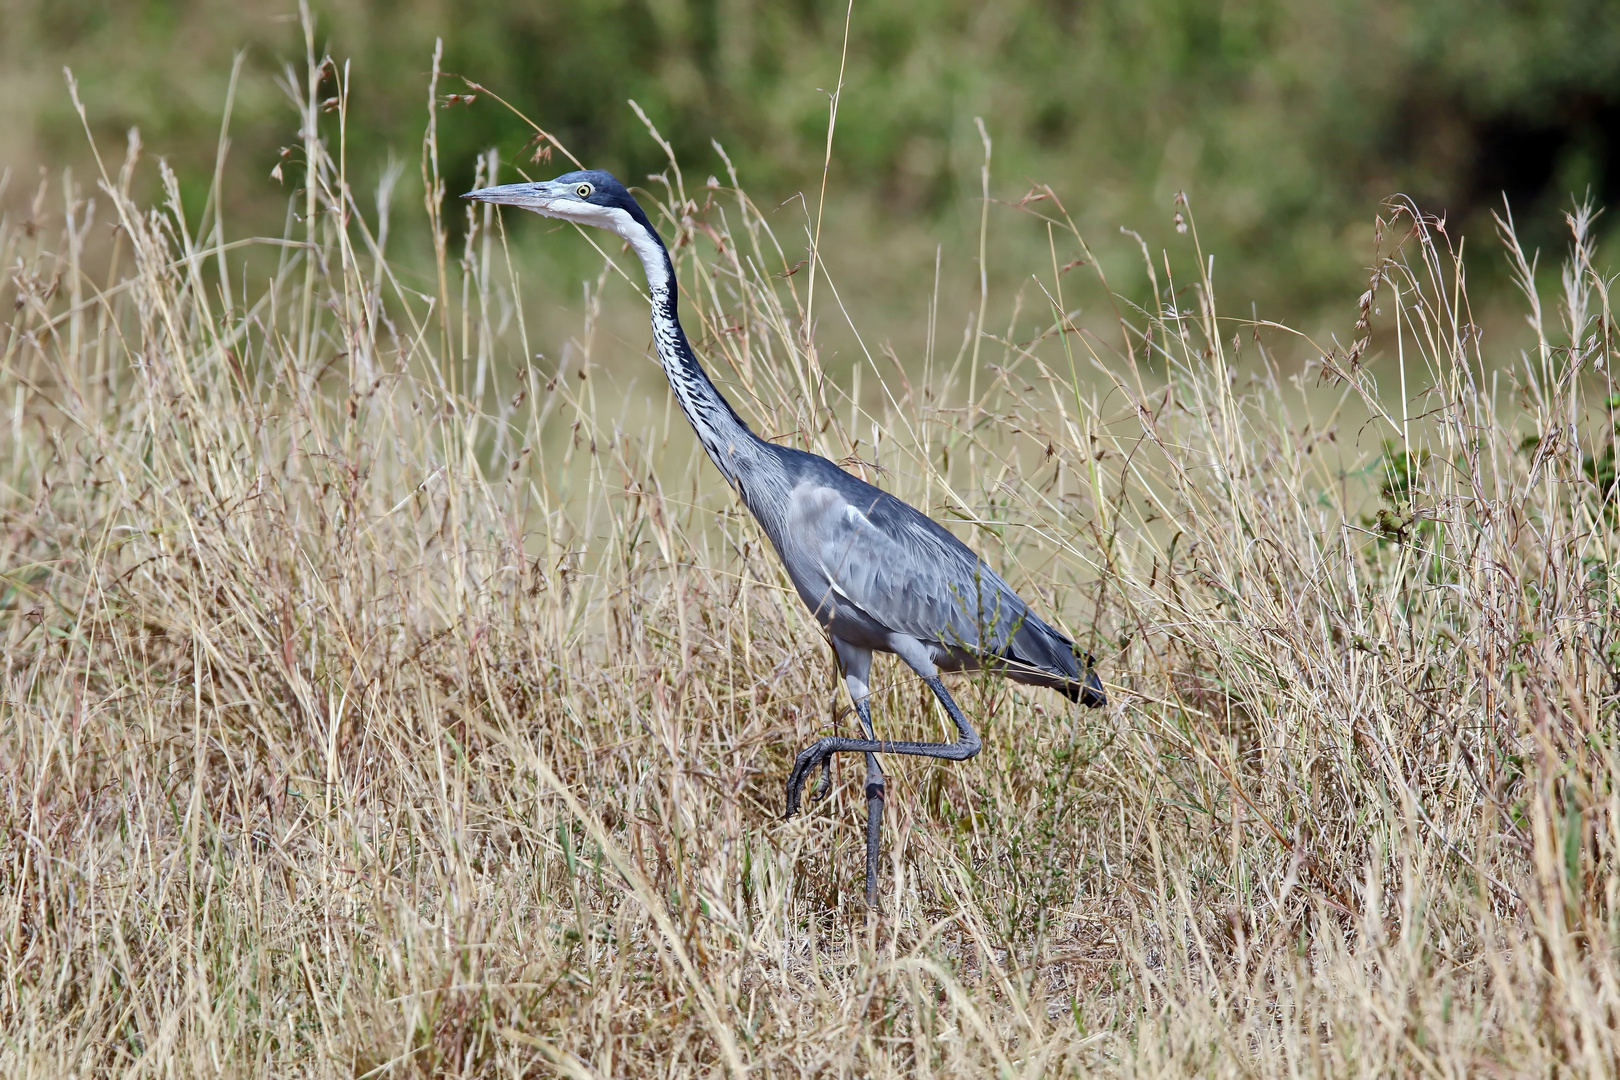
x: 583, y: 191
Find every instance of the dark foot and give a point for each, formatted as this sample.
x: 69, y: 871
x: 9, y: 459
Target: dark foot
x: 818, y: 754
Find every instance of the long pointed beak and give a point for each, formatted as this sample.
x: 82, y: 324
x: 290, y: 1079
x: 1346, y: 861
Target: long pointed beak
x: 531, y: 196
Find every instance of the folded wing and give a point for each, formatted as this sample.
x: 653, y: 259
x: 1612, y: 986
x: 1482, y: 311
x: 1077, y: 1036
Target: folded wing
x: 910, y: 575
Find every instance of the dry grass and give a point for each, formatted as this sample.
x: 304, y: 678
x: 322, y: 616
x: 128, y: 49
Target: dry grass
x: 371, y: 709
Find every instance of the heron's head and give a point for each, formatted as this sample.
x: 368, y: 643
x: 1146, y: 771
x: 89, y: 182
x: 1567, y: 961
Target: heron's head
x: 591, y: 197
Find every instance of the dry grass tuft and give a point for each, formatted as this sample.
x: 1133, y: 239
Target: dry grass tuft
x: 371, y: 710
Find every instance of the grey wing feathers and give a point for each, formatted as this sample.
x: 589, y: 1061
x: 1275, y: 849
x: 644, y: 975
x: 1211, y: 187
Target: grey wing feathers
x: 909, y: 574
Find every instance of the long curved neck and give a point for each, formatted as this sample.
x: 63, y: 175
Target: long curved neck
x: 730, y: 443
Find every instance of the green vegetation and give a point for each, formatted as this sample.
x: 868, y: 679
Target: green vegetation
x: 1288, y: 124
x: 377, y: 702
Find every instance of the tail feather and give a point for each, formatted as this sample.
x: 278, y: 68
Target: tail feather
x: 1042, y: 656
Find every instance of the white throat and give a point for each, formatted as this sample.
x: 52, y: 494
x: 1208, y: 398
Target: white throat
x: 646, y: 247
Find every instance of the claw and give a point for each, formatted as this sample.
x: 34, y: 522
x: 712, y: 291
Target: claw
x: 825, y: 786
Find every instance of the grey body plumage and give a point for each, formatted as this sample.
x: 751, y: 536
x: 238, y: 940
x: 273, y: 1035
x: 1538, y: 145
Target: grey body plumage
x: 878, y: 575
x: 871, y: 567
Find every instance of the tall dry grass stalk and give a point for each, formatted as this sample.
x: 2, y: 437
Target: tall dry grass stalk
x: 375, y: 704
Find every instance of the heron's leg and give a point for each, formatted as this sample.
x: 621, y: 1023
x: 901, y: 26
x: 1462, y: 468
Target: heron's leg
x: 966, y: 745
x: 857, y: 667
x: 856, y: 664
x: 875, y: 785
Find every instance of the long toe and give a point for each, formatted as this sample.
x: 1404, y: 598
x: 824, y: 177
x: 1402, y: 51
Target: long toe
x: 795, y: 786
x: 821, y: 790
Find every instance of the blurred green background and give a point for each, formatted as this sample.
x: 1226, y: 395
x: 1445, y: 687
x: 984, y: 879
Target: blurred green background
x: 1287, y: 123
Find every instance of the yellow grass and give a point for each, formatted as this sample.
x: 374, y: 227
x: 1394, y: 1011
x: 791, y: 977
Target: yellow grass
x: 377, y: 702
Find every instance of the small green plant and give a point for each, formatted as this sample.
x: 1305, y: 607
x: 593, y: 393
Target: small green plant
x: 1395, y: 525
